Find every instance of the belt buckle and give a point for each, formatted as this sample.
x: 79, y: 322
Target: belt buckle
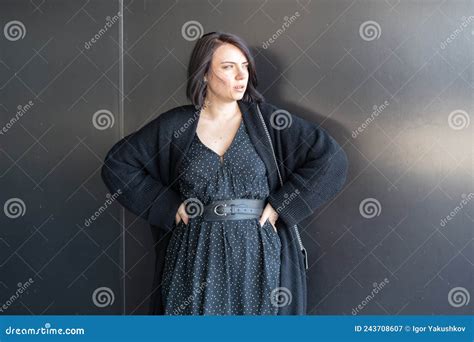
x: 220, y: 205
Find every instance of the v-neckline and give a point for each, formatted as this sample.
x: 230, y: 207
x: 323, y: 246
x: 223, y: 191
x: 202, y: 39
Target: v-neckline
x: 221, y: 157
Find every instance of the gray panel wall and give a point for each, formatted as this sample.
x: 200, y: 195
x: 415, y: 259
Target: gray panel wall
x: 392, y: 81
x: 51, y: 155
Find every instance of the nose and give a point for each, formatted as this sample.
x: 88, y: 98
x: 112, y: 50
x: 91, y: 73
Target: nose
x: 242, y: 73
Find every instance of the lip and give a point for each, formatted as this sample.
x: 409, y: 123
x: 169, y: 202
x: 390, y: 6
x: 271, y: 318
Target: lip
x: 240, y: 89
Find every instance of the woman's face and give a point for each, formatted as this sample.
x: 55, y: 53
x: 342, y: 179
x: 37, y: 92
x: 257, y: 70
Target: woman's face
x: 228, y: 74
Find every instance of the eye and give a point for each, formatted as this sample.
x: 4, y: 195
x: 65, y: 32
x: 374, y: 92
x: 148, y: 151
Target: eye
x: 228, y: 66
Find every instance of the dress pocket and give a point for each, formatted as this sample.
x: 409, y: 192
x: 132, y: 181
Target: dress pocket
x: 180, y: 224
x: 269, y: 224
x: 268, y: 227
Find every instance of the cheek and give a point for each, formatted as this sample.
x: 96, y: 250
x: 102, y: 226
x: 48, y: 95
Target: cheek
x: 224, y: 79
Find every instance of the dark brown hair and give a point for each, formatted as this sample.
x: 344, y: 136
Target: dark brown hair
x: 200, y: 63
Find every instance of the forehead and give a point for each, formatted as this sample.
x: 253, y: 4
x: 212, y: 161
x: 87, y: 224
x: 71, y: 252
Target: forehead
x: 230, y: 53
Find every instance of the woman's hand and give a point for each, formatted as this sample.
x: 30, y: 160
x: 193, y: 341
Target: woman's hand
x: 181, y: 214
x: 270, y: 214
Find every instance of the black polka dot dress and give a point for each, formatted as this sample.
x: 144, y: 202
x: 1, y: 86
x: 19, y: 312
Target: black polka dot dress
x: 229, y: 267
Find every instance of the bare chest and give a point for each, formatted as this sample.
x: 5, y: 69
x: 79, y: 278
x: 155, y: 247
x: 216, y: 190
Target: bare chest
x: 218, y: 136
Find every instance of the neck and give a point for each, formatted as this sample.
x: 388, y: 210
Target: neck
x: 218, y: 110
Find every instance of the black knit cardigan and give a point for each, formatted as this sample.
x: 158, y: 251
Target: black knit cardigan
x: 312, y: 165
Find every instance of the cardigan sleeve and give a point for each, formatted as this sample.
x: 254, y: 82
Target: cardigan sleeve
x: 318, y: 174
x: 131, y: 169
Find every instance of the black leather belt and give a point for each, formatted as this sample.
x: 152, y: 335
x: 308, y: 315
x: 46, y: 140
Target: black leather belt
x: 237, y: 209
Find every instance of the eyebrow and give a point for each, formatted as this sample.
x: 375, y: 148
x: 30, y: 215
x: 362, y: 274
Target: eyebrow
x: 233, y: 62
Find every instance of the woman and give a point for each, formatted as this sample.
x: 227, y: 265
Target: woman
x: 228, y: 185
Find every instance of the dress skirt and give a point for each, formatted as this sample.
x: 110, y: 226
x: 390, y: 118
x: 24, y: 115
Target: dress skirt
x: 229, y: 267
